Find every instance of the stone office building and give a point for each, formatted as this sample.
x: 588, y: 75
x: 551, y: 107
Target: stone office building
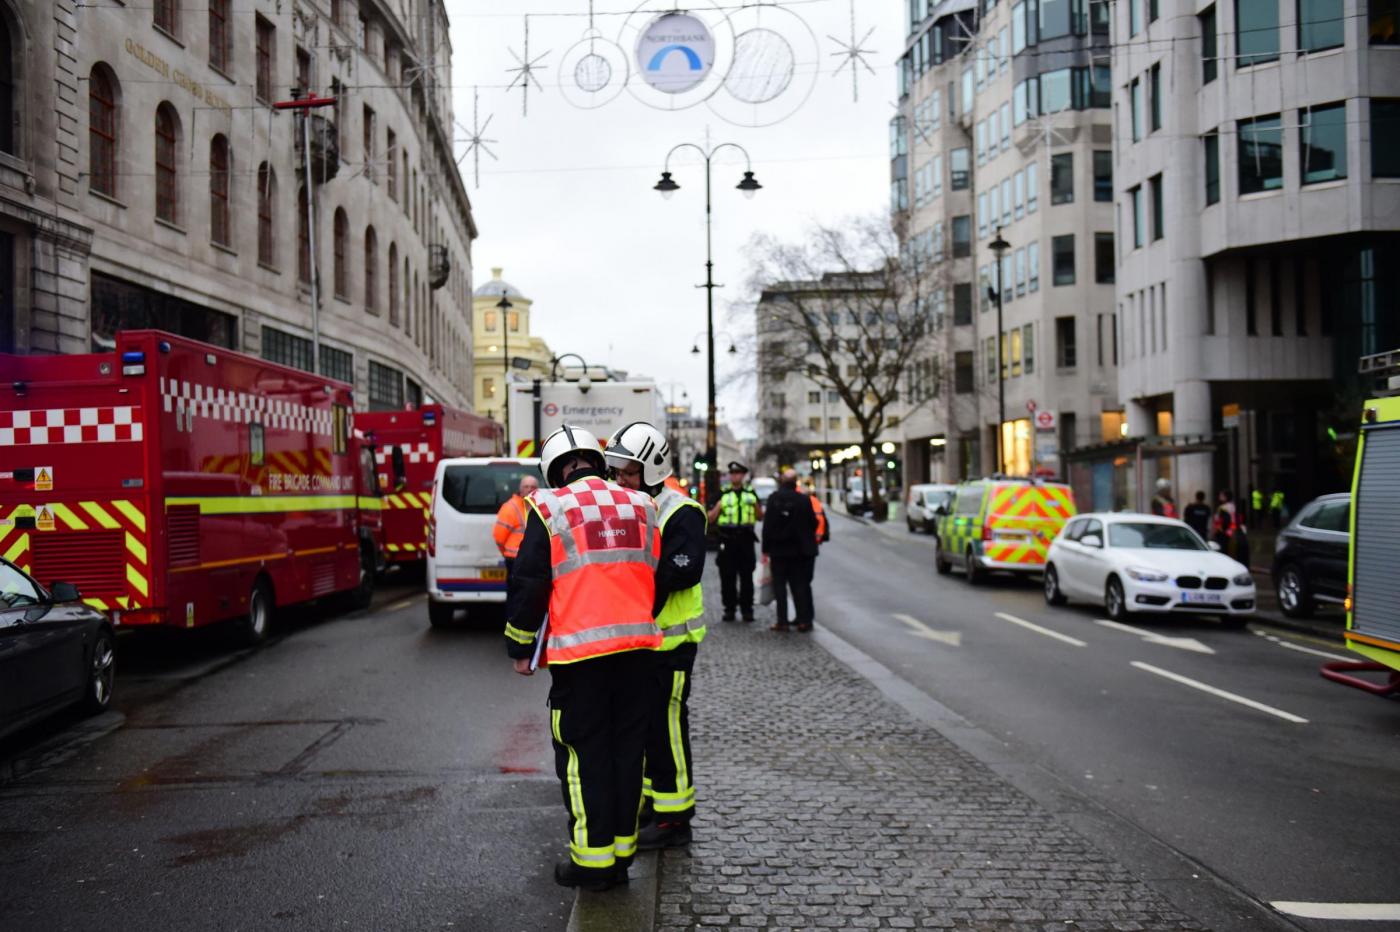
x: 147, y: 180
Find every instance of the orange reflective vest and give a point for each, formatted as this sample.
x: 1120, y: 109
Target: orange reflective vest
x: 510, y: 527
x: 821, y: 516
x: 604, y: 544
x: 674, y: 485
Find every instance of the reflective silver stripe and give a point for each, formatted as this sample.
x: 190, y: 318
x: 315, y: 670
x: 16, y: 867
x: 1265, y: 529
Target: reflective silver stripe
x: 605, y: 633
x: 594, y: 557
x: 684, y: 627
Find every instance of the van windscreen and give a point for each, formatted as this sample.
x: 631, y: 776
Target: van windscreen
x: 482, y: 489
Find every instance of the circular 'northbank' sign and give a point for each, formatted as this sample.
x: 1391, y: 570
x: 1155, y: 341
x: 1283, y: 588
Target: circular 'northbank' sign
x: 675, y: 53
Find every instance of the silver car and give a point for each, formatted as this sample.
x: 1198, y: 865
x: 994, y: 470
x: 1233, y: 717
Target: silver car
x: 923, y: 499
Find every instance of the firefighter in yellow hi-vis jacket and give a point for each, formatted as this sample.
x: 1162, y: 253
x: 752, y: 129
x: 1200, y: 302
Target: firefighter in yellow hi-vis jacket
x: 640, y: 458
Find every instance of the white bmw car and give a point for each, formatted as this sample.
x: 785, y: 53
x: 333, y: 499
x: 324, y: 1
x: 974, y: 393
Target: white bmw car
x: 1142, y: 563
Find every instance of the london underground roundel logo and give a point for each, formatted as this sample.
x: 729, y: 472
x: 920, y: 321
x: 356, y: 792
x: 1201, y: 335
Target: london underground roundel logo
x: 675, y: 53
x: 551, y: 409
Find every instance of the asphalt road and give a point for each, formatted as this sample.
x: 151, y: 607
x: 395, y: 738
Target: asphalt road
x: 1280, y: 809
x: 360, y: 772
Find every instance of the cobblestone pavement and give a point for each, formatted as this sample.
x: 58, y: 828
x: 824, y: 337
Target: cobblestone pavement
x: 824, y: 805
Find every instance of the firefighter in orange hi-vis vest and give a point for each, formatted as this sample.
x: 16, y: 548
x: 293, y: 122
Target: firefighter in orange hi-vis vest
x: 510, y: 522
x: 581, y: 602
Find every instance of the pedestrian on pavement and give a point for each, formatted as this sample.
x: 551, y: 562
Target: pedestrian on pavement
x: 1256, y: 507
x: 588, y: 561
x: 823, y: 526
x: 1162, y: 503
x: 640, y: 458
x: 790, y: 546
x: 1229, y: 531
x: 1278, y: 509
x: 1197, y: 515
x: 736, y: 513
x: 510, y: 522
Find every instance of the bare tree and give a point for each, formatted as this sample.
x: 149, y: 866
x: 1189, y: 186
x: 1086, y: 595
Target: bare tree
x: 850, y: 312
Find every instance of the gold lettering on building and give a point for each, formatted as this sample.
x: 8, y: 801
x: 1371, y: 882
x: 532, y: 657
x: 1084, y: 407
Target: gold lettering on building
x: 161, y: 67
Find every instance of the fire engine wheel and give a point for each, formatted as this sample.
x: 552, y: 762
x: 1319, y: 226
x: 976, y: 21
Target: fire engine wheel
x: 440, y: 613
x: 259, y: 619
x: 102, y: 671
x: 363, y: 593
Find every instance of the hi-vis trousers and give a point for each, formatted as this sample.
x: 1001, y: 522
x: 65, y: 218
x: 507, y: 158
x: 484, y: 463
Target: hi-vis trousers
x: 669, y: 779
x: 598, y: 713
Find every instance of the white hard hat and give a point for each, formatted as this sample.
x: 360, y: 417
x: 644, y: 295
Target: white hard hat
x: 562, y: 442
x: 639, y: 442
x: 1163, y: 485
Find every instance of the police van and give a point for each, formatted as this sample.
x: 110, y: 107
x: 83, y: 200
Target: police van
x: 1000, y: 524
x: 465, y: 568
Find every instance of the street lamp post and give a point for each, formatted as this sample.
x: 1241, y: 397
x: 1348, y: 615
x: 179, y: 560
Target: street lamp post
x: 667, y: 186
x: 305, y: 104
x: 505, y: 306
x: 999, y: 246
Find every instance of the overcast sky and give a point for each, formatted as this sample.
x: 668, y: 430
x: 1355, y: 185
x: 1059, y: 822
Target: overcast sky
x: 568, y: 208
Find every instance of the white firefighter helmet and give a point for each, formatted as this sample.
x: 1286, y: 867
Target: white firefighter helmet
x: 556, y: 449
x: 1164, y: 485
x: 639, y: 442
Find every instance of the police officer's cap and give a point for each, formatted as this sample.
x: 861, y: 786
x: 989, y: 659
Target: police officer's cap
x: 737, y: 466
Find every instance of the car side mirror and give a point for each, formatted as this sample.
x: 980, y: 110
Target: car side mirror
x: 1091, y: 540
x: 64, y: 592
x: 1214, y: 545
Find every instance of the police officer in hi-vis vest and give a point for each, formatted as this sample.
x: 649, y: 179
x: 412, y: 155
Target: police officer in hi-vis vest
x: 588, y: 561
x: 640, y: 458
x: 736, y: 513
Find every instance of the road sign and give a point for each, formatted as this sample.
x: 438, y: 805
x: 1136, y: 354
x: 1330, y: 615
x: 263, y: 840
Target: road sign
x: 1031, y: 406
x: 1045, y: 420
x: 1230, y: 415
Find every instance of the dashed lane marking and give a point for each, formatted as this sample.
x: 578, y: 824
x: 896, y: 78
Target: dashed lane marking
x: 1300, y: 648
x: 1223, y: 694
x: 1032, y: 626
x: 1374, y: 912
x: 399, y: 606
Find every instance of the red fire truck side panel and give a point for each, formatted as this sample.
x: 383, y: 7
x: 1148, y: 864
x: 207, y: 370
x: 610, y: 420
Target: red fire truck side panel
x: 408, y: 445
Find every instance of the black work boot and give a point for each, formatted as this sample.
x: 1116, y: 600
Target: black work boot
x: 592, y: 879
x: 620, y: 871
x: 662, y: 834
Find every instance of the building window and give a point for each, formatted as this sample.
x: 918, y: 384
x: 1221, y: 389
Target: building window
x: 1028, y: 348
x: 266, y: 52
x: 341, y: 236
x: 1065, y: 354
x: 1062, y: 258
x: 1385, y: 138
x: 368, y: 140
x: 305, y: 82
x: 489, y: 320
x: 1320, y: 24
x: 1033, y: 265
x: 1158, y: 207
x: 962, y: 236
x: 1032, y: 187
x: 1211, y: 142
x: 1385, y: 22
x: 385, y: 387
x: 959, y: 169
x: 1256, y: 32
x: 371, y: 270
x: 1103, y: 258
x: 393, y: 285
x: 513, y: 321
x: 962, y: 304
x: 1135, y: 107
x: 392, y: 173
x: 814, y: 424
x: 219, y: 172
x: 267, y: 194
x: 1020, y: 272
x: 303, y: 239
x: 286, y: 349
x: 219, y: 34
x: 1251, y: 296
x: 1134, y: 17
x: 1323, y: 141
x: 167, y: 16
x: 1209, y: 45
x: 1062, y: 178
x: 337, y: 364
x: 1006, y: 202
x: 981, y: 215
x: 102, y: 129
x: 1261, y: 154
x: 1136, y: 205
x: 1103, y: 176
x: 167, y: 178
x: 1154, y: 90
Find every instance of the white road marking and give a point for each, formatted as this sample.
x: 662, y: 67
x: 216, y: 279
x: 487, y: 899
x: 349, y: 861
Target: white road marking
x: 1375, y: 912
x: 398, y: 606
x: 1153, y: 637
x: 1031, y: 626
x: 1300, y: 648
x: 919, y: 629
x: 1216, y: 691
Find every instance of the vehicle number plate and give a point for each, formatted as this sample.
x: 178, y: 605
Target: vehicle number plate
x: 1211, y: 597
x: 493, y: 575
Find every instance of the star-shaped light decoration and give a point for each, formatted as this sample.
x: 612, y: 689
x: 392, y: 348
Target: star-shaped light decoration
x: 854, y: 54
x: 476, y: 140
x: 525, y: 72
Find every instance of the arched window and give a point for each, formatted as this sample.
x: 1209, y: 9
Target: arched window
x: 219, y: 172
x: 371, y: 263
x: 342, y: 265
x: 102, y: 131
x: 9, y: 54
x: 167, y: 177
x: 303, y: 238
x: 267, y: 206
x: 393, y: 285
x: 407, y: 317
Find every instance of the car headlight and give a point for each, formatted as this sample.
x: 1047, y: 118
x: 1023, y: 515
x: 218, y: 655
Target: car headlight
x: 1145, y: 575
x: 1244, y: 579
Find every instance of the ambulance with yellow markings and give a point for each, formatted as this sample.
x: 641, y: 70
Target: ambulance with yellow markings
x: 179, y: 484
x: 1000, y: 524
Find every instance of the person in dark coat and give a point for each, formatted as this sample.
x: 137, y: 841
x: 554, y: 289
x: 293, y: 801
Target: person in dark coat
x: 790, y: 546
x: 1198, y: 515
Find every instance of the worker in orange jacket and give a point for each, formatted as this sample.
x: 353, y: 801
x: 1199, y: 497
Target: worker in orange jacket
x: 510, y: 522
x: 823, y: 527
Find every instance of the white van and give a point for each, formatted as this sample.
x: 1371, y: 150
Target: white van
x: 464, y: 566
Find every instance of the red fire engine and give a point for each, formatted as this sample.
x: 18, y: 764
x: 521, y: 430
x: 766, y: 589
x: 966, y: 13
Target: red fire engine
x: 408, y: 445
x: 176, y: 483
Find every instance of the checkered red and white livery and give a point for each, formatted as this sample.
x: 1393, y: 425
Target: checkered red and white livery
x: 116, y: 424
x: 412, y: 453
x: 236, y: 407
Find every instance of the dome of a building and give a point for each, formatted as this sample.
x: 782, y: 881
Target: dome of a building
x: 495, y: 286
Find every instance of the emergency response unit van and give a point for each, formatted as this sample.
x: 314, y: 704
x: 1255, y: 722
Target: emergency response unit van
x: 181, y: 484
x: 408, y: 446
x: 464, y: 565
x: 1000, y: 524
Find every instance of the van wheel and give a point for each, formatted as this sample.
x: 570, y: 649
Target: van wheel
x: 1114, y: 602
x: 940, y: 562
x: 975, y: 574
x: 1053, y: 595
x: 440, y: 614
x: 259, y: 619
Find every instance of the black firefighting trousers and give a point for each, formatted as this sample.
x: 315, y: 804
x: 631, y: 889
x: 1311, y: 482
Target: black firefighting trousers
x: 669, y: 777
